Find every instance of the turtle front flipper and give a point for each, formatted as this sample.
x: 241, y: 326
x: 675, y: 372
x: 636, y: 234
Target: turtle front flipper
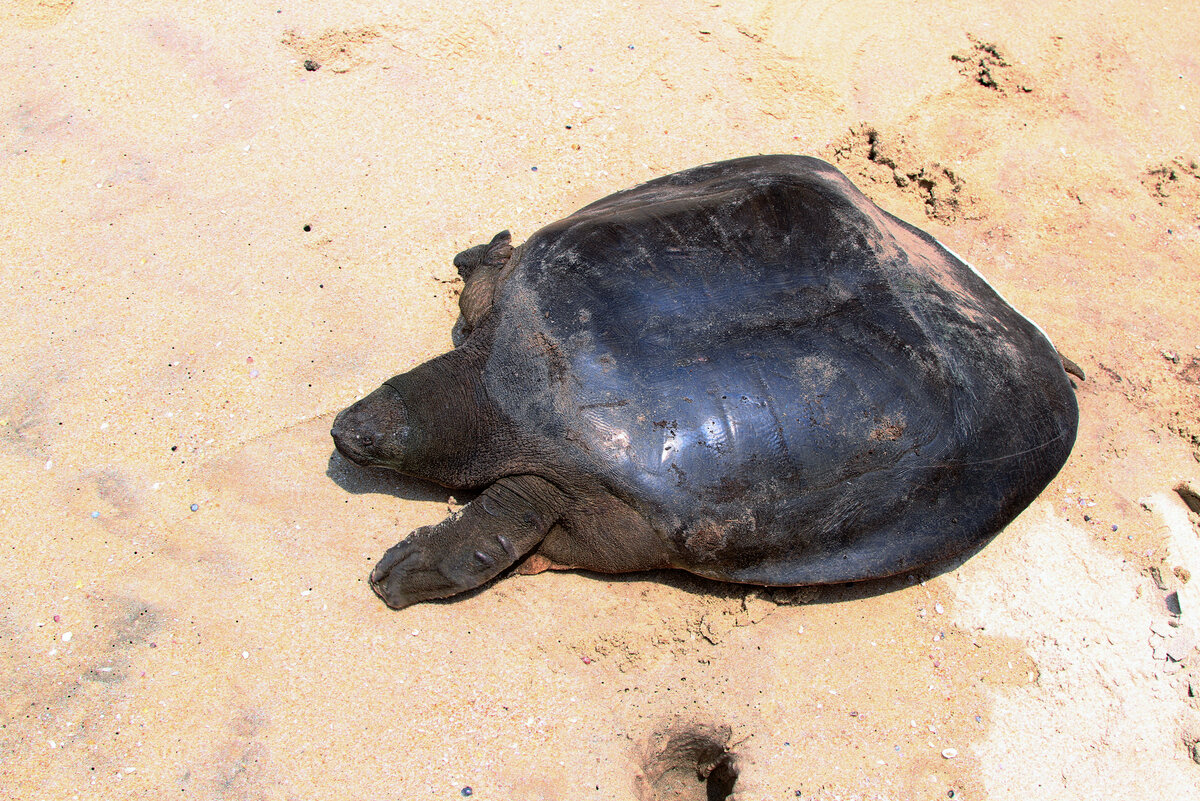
x: 471, y: 547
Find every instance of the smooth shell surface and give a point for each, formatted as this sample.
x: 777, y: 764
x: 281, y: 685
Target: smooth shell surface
x: 790, y: 384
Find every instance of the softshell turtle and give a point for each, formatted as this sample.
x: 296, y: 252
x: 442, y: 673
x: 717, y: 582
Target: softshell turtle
x: 746, y: 370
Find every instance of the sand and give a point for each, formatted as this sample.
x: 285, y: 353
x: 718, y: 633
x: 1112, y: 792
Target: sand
x: 209, y: 249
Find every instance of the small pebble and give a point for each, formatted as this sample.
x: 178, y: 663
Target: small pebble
x: 534, y: 169
x: 95, y: 515
x: 939, y: 609
x: 58, y: 618
x: 195, y: 507
x: 254, y: 374
x: 66, y: 637
x: 311, y: 65
x: 466, y: 791
x: 1114, y: 527
x: 1172, y: 603
x: 949, y: 753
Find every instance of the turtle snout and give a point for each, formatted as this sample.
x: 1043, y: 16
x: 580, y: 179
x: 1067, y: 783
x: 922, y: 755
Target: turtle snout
x: 372, y: 431
x: 349, y: 440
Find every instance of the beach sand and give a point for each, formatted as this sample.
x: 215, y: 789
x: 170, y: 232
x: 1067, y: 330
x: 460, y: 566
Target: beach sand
x: 209, y: 249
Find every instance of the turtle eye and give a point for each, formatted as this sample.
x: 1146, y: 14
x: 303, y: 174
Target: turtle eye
x: 367, y: 440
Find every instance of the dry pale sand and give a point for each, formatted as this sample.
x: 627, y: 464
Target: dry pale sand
x: 208, y: 250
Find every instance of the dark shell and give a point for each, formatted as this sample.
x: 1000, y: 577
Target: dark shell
x: 792, y: 385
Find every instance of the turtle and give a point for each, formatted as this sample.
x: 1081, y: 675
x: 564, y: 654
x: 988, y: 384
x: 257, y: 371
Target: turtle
x: 746, y: 370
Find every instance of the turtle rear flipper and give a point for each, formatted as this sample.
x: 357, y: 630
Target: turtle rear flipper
x: 480, y: 268
x: 1071, y: 367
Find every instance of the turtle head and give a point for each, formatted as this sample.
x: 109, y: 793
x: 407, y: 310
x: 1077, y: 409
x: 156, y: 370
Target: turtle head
x: 374, y: 431
x: 428, y: 423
